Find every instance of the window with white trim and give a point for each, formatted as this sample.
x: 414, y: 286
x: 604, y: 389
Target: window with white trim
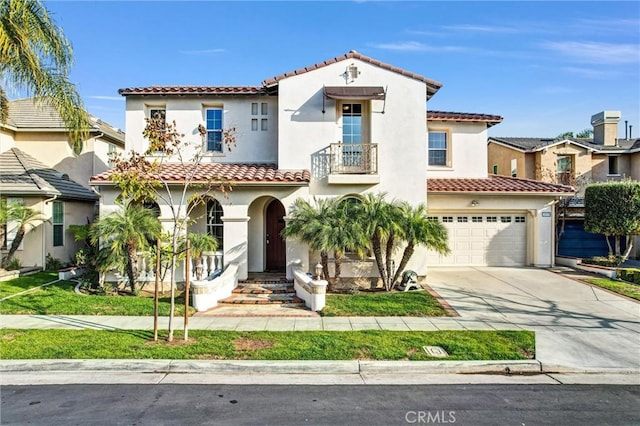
x: 432, y: 218
x: 476, y: 219
x: 495, y: 169
x: 215, y: 226
x: 462, y: 219
x: 447, y: 219
x: 438, y: 148
x: 57, y: 220
x: 514, y: 168
x: 213, y: 118
x: 520, y: 219
x: 505, y: 219
x: 492, y: 219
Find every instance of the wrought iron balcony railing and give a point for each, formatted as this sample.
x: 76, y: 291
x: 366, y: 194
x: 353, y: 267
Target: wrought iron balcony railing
x: 353, y: 158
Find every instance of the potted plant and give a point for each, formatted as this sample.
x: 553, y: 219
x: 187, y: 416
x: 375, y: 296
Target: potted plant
x: 201, y: 243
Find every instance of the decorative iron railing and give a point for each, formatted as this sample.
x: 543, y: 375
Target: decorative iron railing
x: 353, y: 158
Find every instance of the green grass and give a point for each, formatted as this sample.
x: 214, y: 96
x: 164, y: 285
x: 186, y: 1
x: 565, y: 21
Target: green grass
x: 412, y: 304
x: 264, y: 345
x: 61, y: 299
x: 620, y: 287
x: 16, y: 285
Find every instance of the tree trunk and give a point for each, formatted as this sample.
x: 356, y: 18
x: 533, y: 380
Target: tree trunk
x: 376, y: 246
x: 337, y: 256
x: 625, y: 255
x: 406, y: 255
x: 172, y: 275
x: 131, y: 266
x: 17, y: 240
x: 324, y: 261
x: 606, y: 237
x: 389, y: 261
x: 617, y: 243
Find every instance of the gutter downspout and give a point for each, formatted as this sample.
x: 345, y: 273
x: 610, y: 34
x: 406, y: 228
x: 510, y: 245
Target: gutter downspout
x: 44, y: 234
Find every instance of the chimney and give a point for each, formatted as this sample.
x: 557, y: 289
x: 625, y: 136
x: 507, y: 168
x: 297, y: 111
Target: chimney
x: 605, y: 127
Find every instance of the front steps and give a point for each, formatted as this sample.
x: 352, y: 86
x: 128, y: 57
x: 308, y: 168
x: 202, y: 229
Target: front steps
x: 265, y: 291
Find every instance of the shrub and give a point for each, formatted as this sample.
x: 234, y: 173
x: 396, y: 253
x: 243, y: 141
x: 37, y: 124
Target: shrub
x: 631, y: 275
x: 610, y: 261
x: 52, y: 263
x: 14, y: 264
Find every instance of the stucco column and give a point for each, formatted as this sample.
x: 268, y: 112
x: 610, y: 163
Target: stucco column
x: 545, y: 236
x: 236, y: 236
x: 297, y: 255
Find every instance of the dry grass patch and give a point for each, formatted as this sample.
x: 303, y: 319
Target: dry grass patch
x: 245, y: 344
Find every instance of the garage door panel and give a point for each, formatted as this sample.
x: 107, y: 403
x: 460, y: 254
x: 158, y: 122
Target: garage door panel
x: 484, y: 241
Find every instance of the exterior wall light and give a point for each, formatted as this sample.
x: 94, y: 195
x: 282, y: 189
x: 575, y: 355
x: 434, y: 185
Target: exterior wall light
x: 474, y: 203
x: 318, y: 271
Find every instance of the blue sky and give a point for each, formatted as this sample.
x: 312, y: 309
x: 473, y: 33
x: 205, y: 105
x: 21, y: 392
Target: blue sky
x: 544, y: 66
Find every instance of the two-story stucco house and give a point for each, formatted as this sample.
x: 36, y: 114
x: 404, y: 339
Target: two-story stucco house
x: 345, y: 127
x: 39, y: 169
x: 573, y: 161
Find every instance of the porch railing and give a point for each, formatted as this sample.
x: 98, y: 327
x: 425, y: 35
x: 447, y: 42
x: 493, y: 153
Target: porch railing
x: 211, y: 262
x: 353, y: 158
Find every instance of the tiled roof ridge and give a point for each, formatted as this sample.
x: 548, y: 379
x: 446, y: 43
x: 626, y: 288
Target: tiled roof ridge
x: 191, y: 89
x: 27, y: 162
x: 495, y: 184
x: 456, y: 115
x: 435, y: 85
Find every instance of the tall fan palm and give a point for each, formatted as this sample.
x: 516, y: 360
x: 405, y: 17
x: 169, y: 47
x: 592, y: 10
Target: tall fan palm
x: 35, y: 58
x: 23, y: 219
x: 418, y: 229
x: 123, y: 234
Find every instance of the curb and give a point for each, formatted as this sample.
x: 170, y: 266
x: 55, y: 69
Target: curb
x: 275, y: 367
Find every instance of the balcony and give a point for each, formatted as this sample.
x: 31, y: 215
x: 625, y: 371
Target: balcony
x: 353, y: 163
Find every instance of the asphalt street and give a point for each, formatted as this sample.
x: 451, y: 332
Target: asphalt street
x: 321, y: 405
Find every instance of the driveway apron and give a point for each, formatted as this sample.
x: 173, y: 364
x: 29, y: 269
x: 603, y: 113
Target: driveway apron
x: 577, y: 326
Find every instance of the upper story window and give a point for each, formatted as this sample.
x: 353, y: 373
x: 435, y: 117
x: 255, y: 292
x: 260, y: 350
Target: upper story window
x: 158, y: 113
x: 263, y: 111
x: 564, y: 171
x: 439, y: 148
x: 613, y: 165
x: 514, y: 167
x: 213, y: 118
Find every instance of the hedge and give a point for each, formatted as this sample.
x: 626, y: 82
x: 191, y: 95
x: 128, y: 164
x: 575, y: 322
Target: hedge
x: 631, y: 275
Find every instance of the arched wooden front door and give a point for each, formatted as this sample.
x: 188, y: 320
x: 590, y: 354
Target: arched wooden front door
x: 275, y: 244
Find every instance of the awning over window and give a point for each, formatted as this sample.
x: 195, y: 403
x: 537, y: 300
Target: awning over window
x: 355, y: 93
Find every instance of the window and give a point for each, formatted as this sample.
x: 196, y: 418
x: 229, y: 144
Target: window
x: 520, y: 219
x: 58, y: 224
x: 563, y: 175
x: 476, y: 219
x: 613, y: 165
x: 158, y: 113
x: 214, y: 129
x: 111, y: 150
x: 264, y: 108
x: 447, y: 219
x: 352, y: 135
x: 254, y: 108
x: 505, y: 219
x: 438, y: 149
x: 462, y: 219
x: 492, y: 219
x: 254, y: 124
x: 263, y: 125
x: 495, y: 169
x: 514, y: 168
x: 215, y: 226
x: 432, y: 218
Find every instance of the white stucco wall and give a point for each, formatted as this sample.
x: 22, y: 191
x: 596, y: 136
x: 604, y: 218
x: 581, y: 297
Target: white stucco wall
x: 304, y: 131
x: 468, y: 150
x: 189, y: 111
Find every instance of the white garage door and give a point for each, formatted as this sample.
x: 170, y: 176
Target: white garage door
x: 491, y: 240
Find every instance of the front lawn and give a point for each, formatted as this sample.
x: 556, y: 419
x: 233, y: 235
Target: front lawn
x: 61, y: 299
x: 620, y: 287
x: 383, y: 304
x: 265, y: 345
x: 16, y: 285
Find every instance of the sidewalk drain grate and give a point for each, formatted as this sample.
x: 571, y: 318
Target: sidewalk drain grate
x: 435, y: 351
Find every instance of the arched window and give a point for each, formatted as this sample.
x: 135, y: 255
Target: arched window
x: 215, y: 227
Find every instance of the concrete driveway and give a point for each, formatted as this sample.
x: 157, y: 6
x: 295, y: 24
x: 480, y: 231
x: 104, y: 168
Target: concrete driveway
x: 577, y: 326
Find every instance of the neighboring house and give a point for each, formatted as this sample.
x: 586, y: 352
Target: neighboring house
x: 572, y: 161
x: 39, y: 169
x: 343, y: 127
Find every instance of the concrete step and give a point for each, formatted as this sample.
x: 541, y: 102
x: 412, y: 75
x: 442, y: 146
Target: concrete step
x: 283, y: 299
x: 264, y: 288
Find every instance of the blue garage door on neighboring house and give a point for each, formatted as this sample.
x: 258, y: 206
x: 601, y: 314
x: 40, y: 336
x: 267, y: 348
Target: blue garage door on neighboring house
x: 577, y: 242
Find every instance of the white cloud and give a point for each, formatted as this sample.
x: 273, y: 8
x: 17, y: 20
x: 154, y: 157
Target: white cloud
x: 202, y: 52
x: 591, y: 73
x: 415, y: 46
x: 595, y: 52
x: 107, y: 98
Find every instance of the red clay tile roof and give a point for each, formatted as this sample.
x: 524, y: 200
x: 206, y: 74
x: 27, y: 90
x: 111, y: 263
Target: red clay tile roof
x: 236, y: 173
x: 194, y: 90
x: 463, y: 116
x: 495, y: 183
x: 432, y: 86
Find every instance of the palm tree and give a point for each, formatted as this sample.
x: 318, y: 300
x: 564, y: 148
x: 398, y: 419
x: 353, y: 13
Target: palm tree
x: 306, y: 223
x: 35, y: 57
x: 123, y: 234
x: 418, y: 229
x: 24, y: 220
x: 199, y: 243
